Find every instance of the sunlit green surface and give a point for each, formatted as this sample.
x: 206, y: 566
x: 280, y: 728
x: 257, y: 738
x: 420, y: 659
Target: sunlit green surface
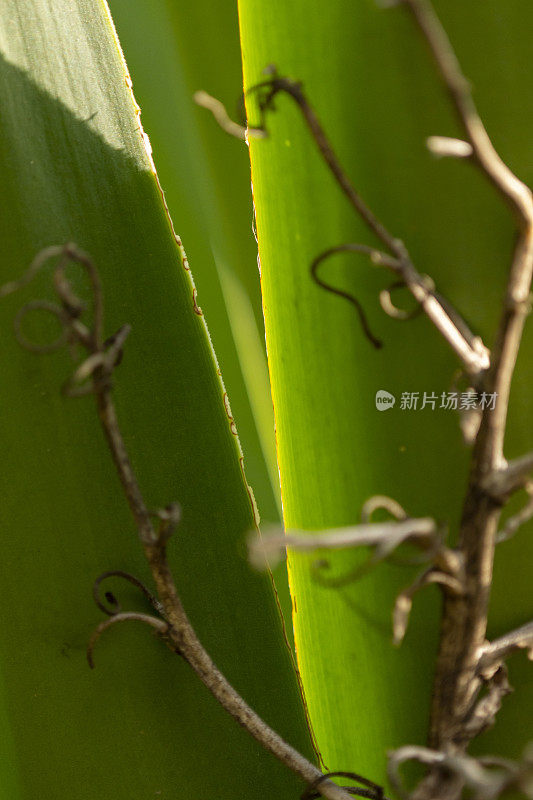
x: 172, y: 51
x: 370, y: 80
x: 199, y: 47
x: 74, y: 167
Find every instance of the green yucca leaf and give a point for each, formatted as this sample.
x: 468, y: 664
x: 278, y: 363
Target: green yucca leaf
x: 368, y: 77
x: 76, y: 167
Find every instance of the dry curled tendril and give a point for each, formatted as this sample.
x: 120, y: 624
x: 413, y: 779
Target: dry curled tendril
x: 114, y: 611
x: 368, y: 788
x: 169, y: 620
x: 103, y: 355
x: 466, y: 664
x: 384, y: 538
x: 470, y: 348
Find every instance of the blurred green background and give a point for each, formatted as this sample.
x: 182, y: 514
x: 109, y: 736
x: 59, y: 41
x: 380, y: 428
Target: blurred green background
x: 75, y: 167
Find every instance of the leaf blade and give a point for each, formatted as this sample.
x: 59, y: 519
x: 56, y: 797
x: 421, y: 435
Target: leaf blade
x: 75, y: 167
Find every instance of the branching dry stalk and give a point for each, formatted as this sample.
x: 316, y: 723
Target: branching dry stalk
x: 464, y: 619
x: 469, y: 348
x: 457, y: 715
x: 93, y: 376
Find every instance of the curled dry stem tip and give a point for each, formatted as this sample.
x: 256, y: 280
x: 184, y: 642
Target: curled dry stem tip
x: 158, y: 624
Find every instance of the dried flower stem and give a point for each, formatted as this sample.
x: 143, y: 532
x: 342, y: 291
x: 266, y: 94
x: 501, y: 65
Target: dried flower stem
x: 471, y: 350
x: 455, y: 716
x: 175, y: 627
x: 464, y: 621
x: 180, y: 632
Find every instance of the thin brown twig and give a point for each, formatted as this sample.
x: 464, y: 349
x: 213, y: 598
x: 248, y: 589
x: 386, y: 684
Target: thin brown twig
x: 180, y: 631
x: 465, y: 612
x: 458, y: 88
x: 114, y: 606
x: 495, y: 652
x: 464, y: 619
x: 513, y: 476
x: 376, y: 257
x: 392, y: 310
x: 483, y: 714
x: 384, y: 536
x: 160, y: 626
x: 487, y: 777
x: 519, y: 197
x: 368, y: 789
x: 446, y: 147
x: 512, y: 524
x: 404, y: 601
x: 176, y: 627
x: 34, y: 347
x: 471, y: 350
x: 382, y: 502
x: 220, y: 114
